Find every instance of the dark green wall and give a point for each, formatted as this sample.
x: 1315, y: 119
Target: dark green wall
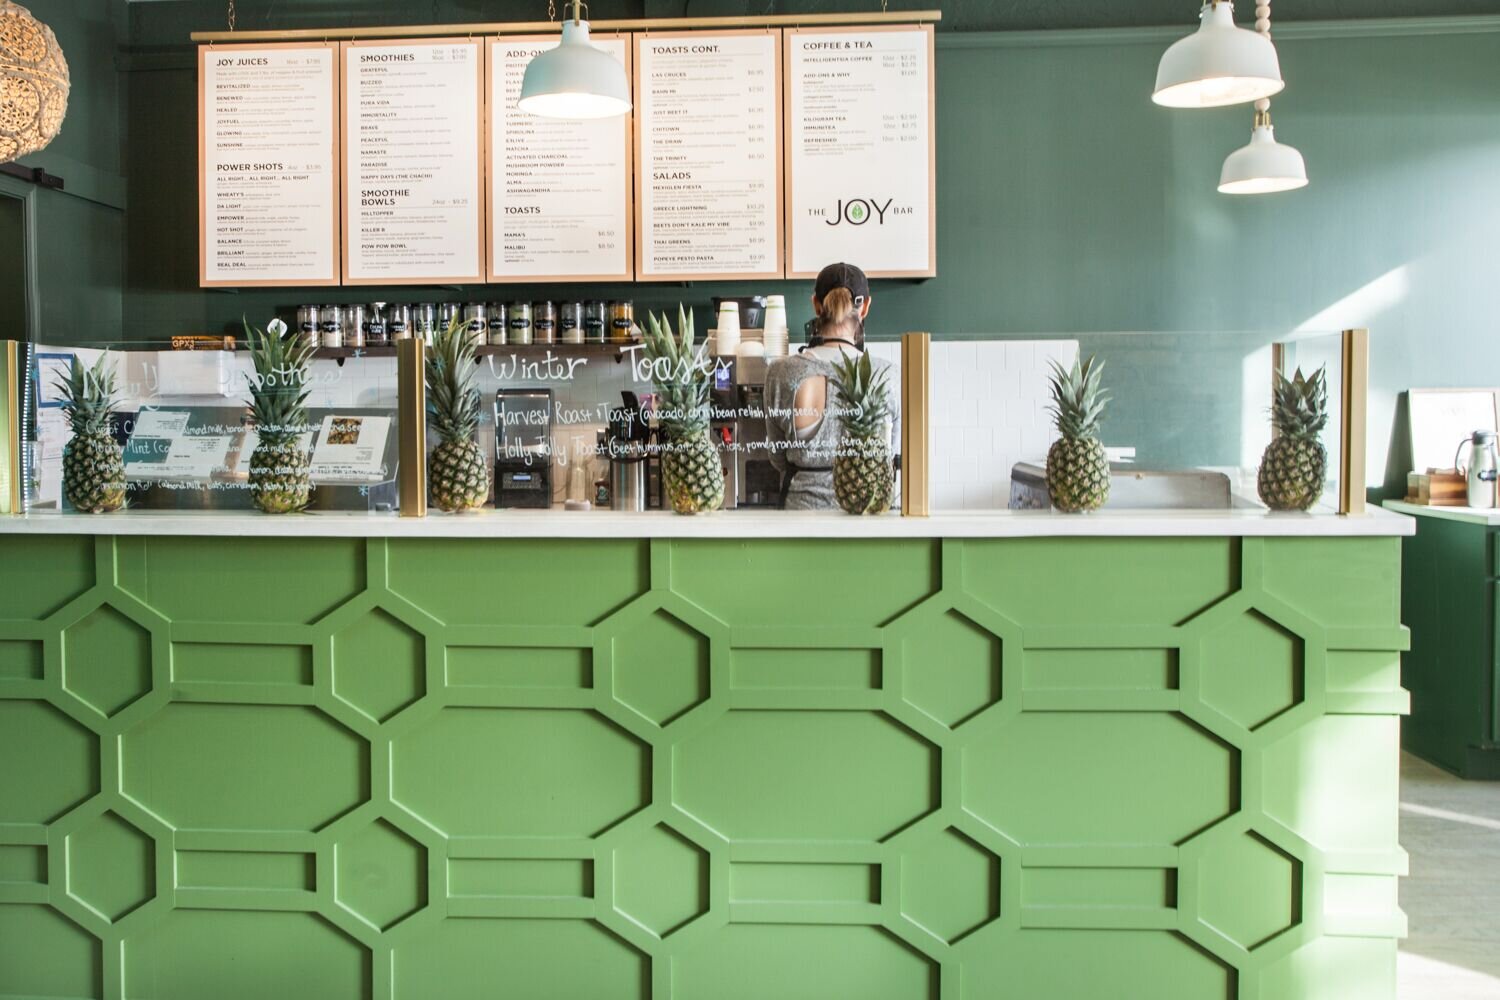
x: 1068, y: 203
x: 80, y: 231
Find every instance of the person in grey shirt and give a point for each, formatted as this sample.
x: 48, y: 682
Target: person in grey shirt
x: 803, y: 439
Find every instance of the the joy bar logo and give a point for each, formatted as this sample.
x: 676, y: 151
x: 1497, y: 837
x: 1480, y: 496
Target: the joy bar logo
x: 859, y: 211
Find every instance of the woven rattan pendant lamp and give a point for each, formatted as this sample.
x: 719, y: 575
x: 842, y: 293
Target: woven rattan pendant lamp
x: 34, y: 83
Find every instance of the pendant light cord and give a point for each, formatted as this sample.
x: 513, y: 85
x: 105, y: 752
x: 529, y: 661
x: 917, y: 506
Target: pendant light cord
x: 1263, y: 25
x: 231, y: 15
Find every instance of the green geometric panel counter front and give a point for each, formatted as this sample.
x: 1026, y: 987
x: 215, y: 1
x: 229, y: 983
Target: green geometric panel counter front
x: 319, y: 769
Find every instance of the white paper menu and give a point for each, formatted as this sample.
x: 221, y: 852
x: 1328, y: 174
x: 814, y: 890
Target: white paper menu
x: 708, y: 155
x: 413, y: 189
x: 559, y: 189
x: 268, y: 153
x: 859, y: 123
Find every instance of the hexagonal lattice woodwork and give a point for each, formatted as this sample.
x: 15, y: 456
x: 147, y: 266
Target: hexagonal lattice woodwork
x: 661, y: 667
x: 1252, y: 670
x: 43, y: 953
x: 107, y: 660
x: 379, y: 665
x: 380, y: 875
x: 950, y: 886
x: 1249, y: 890
x: 952, y: 669
x: 111, y: 866
x: 52, y: 762
x: 661, y: 880
x: 519, y: 772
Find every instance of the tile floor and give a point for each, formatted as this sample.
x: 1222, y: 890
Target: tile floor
x: 1451, y: 829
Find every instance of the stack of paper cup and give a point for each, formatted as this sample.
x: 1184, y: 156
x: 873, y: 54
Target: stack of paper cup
x: 775, y: 335
x: 727, y: 339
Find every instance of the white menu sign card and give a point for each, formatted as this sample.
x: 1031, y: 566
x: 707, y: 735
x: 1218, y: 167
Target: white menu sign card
x: 413, y: 167
x: 559, y: 198
x: 268, y: 165
x: 860, y: 151
x: 708, y: 177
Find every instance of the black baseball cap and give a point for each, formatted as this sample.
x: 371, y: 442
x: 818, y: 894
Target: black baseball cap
x: 842, y: 276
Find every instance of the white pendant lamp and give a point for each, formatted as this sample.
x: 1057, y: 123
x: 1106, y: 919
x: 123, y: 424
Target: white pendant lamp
x: 1218, y: 65
x: 34, y: 83
x: 1265, y: 166
x: 576, y: 79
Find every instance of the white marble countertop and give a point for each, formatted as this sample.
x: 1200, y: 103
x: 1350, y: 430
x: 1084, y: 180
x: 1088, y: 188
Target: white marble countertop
x: 725, y: 524
x: 1471, y: 515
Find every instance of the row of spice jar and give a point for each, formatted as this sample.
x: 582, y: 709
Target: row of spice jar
x: 492, y: 323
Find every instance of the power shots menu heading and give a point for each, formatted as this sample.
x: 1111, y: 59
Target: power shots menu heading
x: 860, y: 150
x: 708, y: 178
x: 413, y: 196
x: 268, y: 165
x: 559, y: 189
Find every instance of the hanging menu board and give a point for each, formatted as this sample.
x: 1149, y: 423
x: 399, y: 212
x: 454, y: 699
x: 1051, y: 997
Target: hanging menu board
x: 708, y: 155
x: 559, y: 189
x: 413, y: 162
x: 861, y: 166
x: 268, y: 151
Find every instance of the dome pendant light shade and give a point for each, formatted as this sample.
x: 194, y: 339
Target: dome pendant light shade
x: 575, y: 80
x: 34, y: 83
x: 1265, y: 166
x: 1217, y: 65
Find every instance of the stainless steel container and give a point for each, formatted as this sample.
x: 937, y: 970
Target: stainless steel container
x: 355, y: 318
x: 627, y: 476
x: 331, y: 325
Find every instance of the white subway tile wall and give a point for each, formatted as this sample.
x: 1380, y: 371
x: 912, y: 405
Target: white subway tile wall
x: 989, y: 411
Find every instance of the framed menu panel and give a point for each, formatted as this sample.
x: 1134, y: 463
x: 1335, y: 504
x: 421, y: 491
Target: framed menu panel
x: 268, y: 174
x: 861, y: 151
x: 708, y: 155
x: 559, y: 205
x: 413, y: 118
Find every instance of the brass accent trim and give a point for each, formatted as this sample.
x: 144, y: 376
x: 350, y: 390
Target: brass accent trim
x: 529, y: 27
x: 1354, y: 405
x: 1278, y: 368
x: 12, y: 416
x: 411, y: 402
x: 916, y: 429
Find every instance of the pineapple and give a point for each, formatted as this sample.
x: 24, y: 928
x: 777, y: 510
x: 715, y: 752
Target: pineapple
x: 280, y: 468
x: 458, y: 478
x: 1293, y: 466
x: 690, y: 466
x: 1077, y: 468
x: 93, y: 464
x: 863, y: 480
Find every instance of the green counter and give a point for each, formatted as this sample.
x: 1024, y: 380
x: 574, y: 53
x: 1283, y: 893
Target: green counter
x: 715, y: 769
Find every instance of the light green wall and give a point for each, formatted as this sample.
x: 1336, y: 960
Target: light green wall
x: 1069, y: 204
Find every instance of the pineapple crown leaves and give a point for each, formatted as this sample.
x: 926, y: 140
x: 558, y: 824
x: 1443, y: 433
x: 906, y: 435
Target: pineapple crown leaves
x: 88, y: 394
x: 452, y: 400
x: 863, y: 396
x: 1299, y: 406
x: 279, y: 387
x: 1078, y: 399
x: 682, y: 373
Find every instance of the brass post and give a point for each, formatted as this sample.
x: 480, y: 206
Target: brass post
x: 1278, y: 368
x: 411, y: 402
x: 12, y: 419
x: 1354, y: 407
x: 916, y: 432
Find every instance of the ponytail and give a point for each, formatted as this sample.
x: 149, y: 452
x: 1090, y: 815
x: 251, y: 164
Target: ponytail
x: 838, y: 317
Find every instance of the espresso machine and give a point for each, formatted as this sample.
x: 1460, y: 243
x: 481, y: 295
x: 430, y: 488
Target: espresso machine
x: 523, y: 448
x: 738, y: 423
